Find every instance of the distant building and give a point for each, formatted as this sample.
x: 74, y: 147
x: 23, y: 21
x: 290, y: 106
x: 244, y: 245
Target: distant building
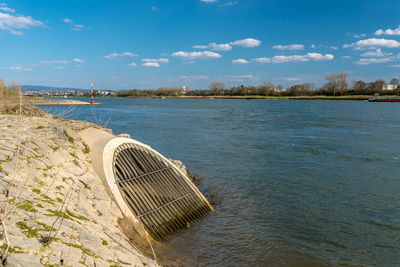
x: 279, y: 90
x: 104, y: 92
x: 184, y: 90
x: 389, y: 87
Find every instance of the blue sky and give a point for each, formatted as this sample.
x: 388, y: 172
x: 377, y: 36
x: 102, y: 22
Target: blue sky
x: 148, y: 44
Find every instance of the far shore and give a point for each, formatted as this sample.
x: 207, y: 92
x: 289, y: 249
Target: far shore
x: 347, y: 97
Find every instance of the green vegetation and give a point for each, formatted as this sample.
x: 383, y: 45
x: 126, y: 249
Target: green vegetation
x: 35, y: 190
x: 15, y: 250
x: 40, y: 183
x: 28, y: 231
x: 85, y: 150
x: 55, y: 148
x: 27, y: 205
x: 104, y: 242
x: 40, y: 127
x: 48, y: 168
x: 76, y: 216
x: 84, y: 250
x: 59, y: 187
x: 58, y: 214
x: 85, y: 184
x: 46, y: 228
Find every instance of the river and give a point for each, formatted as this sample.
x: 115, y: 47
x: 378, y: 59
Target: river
x: 296, y: 183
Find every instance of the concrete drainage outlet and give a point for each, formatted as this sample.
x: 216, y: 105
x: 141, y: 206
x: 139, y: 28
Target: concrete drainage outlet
x: 146, y: 186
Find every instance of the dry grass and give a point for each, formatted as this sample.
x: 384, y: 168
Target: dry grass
x: 10, y: 102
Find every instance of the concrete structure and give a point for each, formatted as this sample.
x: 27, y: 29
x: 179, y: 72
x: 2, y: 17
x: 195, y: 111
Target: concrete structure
x: 149, y: 189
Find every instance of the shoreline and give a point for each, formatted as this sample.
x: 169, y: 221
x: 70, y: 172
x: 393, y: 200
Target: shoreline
x: 59, y: 210
x: 348, y: 97
x: 34, y: 101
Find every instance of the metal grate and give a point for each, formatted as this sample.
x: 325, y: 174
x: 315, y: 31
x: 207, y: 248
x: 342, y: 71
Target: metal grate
x: 159, y: 195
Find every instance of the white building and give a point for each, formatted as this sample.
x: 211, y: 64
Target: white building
x: 389, y: 87
x: 184, y: 90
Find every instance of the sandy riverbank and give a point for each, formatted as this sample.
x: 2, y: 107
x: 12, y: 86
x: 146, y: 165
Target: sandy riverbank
x: 39, y: 101
x: 52, y: 191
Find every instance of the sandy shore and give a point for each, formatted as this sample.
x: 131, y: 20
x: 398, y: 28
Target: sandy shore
x: 38, y: 101
x: 53, y: 194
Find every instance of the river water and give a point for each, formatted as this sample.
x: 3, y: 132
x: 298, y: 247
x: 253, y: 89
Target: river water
x: 296, y: 183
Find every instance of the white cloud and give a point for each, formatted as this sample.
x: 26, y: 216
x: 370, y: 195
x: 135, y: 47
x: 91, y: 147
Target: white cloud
x: 200, y: 46
x: 209, y: 1
x: 18, y: 68
x: 248, y: 42
x: 396, y: 66
x: 229, y: 3
x: 67, y: 20
x: 151, y: 64
x: 190, y: 62
x: 133, y: 64
x: 240, y: 61
x: 292, y: 79
x: 14, y: 23
x: 159, y: 60
x: 220, y: 47
x: 373, y: 43
x: 194, y: 77
x: 196, y: 55
x: 77, y: 27
x: 59, y: 67
x: 313, y: 46
x: 245, y: 76
x: 7, y: 9
x: 295, y: 58
x: 358, y: 36
x: 318, y: 56
x: 289, y: 47
x: 78, y: 60
x: 118, y: 55
x: 366, y: 61
x: 214, y: 46
x: 154, y: 8
x: 345, y: 57
x: 52, y: 62
x: 375, y: 53
x: 388, y: 31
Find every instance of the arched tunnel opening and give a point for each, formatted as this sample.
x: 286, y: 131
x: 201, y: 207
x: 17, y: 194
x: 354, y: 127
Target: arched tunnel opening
x: 158, y: 194
x: 153, y: 194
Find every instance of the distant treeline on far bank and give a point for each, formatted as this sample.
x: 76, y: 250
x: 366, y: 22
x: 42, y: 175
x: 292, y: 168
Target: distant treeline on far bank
x: 336, y: 85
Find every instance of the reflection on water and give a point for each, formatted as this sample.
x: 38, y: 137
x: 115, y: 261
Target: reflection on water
x: 305, y: 183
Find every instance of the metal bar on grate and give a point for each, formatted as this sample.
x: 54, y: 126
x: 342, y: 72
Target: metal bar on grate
x: 169, y: 203
x: 140, y: 176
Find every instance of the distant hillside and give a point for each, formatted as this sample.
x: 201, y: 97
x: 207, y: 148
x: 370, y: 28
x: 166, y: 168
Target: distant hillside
x: 50, y: 88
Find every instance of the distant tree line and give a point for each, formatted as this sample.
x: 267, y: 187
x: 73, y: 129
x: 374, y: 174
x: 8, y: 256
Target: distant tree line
x: 336, y: 85
x: 162, y: 91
